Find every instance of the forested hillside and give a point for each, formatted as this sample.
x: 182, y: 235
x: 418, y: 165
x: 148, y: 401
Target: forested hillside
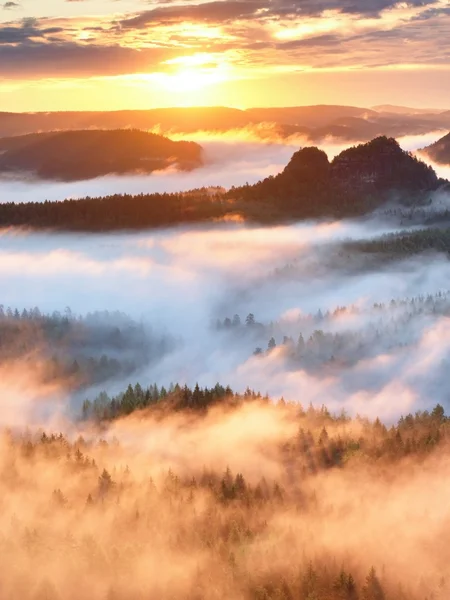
x: 439, y: 151
x: 82, y: 351
x: 76, y: 155
x: 309, y: 510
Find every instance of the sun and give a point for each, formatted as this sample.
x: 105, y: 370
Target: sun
x: 196, y: 72
x: 192, y: 79
x: 187, y: 80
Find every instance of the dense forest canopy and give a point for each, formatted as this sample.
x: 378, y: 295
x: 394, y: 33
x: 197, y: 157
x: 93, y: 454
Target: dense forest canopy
x: 81, y: 350
x: 251, y: 499
x: 344, y: 336
x: 314, y: 469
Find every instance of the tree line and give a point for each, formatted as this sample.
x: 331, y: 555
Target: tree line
x: 355, y: 182
x: 82, y: 350
x: 97, y: 511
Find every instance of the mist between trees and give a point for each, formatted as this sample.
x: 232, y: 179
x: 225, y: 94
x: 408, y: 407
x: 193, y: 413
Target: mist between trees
x: 194, y: 493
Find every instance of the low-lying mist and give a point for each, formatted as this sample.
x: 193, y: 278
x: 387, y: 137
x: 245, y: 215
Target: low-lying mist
x: 182, y: 285
x: 256, y: 501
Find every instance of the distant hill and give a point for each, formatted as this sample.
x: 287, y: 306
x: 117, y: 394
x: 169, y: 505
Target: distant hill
x: 167, y: 119
x: 75, y: 155
x: 311, y: 116
x: 439, y: 151
x: 357, y: 181
x: 406, y: 110
x: 313, y: 123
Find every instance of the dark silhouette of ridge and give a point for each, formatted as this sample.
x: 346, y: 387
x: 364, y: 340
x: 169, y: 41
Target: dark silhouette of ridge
x: 359, y: 180
x: 75, y: 155
x: 356, y: 181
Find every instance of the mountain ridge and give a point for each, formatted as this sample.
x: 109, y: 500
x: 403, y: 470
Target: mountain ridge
x: 313, y: 123
x: 359, y: 180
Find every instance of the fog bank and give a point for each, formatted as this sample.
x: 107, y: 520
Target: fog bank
x: 179, y: 282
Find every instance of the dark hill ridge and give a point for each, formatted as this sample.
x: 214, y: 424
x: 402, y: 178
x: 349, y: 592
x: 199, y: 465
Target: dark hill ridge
x: 74, y: 155
x: 383, y: 166
x: 439, y: 151
x: 357, y: 181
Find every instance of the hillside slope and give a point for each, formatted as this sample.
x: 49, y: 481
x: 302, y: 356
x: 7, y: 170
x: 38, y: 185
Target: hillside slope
x: 439, y: 151
x: 73, y: 155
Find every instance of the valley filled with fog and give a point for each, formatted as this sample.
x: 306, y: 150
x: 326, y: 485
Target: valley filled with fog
x: 238, y: 405
x: 183, y: 284
x: 224, y: 301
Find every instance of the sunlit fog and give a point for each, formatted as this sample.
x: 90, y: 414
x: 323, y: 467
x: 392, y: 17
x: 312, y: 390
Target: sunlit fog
x: 224, y: 356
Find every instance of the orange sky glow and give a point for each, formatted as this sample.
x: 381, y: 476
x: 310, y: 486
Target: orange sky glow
x: 127, y: 54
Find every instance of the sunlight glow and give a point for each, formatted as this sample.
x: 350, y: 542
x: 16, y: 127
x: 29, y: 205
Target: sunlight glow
x: 194, y: 72
x: 330, y: 21
x: 191, y: 79
x: 199, y: 31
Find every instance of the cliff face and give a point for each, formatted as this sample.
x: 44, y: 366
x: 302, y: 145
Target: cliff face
x: 378, y: 165
x: 381, y: 165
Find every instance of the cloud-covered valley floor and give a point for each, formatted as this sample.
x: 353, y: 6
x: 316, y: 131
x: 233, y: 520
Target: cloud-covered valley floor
x: 184, y: 284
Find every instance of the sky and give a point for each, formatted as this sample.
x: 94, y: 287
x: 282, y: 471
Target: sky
x: 137, y: 54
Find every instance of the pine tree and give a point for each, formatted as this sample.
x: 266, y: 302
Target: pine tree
x: 372, y: 589
x: 272, y: 344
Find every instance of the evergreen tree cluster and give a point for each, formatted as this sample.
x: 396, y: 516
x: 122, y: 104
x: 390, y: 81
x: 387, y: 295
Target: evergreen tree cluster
x: 101, y: 517
x: 323, y: 337
x: 83, y: 349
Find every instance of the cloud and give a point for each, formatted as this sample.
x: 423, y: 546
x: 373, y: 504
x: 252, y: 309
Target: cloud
x: 69, y: 59
x: 257, y: 37
x: 17, y: 35
x: 232, y: 10
x: 215, y: 12
x: 11, y: 5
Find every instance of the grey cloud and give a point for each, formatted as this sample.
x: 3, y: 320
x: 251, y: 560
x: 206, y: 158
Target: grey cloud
x: 18, y: 35
x: 230, y: 10
x: 70, y: 59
